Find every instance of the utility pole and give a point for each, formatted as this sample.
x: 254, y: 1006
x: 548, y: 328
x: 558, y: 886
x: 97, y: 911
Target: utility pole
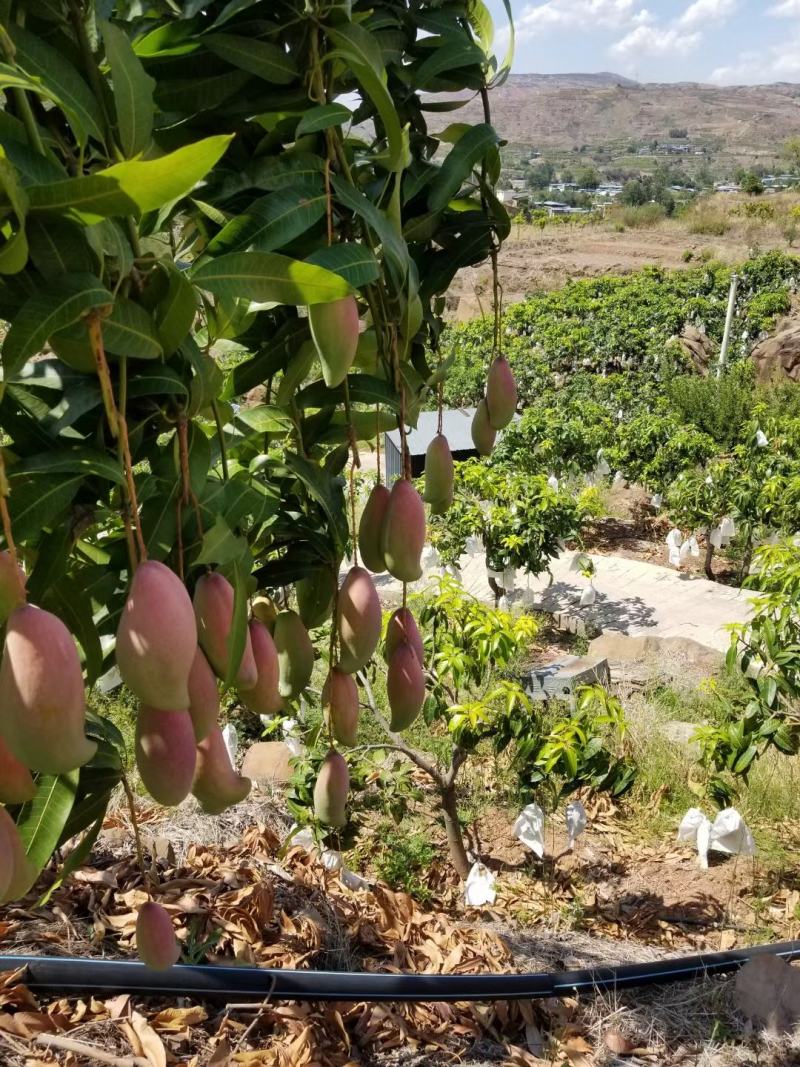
x: 726, y: 339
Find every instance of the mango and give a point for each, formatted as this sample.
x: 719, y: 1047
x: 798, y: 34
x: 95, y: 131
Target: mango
x: 405, y: 686
x: 404, y: 532
x: 157, y: 637
x: 340, y: 705
x: 42, y: 701
x: 203, y: 696
x: 295, y: 654
x: 17, y: 873
x: 217, y: 785
x: 335, y: 329
x: 264, y: 698
x: 213, y: 609
x: 501, y: 393
x: 165, y: 753
x: 265, y: 610
x: 439, y: 475
x: 315, y: 597
x: 483, y: 434
x: 370, y: 529
x: 402, y: 626
x: 156, y: 942
x: 12, y: 586
x: 358, y: 620
x: 330, y: 790
x: 16, y: 783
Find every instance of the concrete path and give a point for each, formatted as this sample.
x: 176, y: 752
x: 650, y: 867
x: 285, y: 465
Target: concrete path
x: 634, y: 598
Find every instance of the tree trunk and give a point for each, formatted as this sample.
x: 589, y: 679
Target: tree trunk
x: 747, y: 560
x: 455, y: 839
x: 709, y: 557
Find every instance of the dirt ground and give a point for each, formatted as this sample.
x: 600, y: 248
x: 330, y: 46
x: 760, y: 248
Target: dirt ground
x: 534, y: 259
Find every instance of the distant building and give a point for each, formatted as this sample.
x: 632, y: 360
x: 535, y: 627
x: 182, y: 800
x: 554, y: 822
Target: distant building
x: 727, y: 187
x: 607, y: 189
x: 456, y: 426
x: 561, y: 187
x: 519, y: 184
x: 507, y: 199
x: 556, y: 207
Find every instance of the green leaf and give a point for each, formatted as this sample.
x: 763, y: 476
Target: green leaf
x: 71, y: 603
x: 267, y: 276
x: 394, y: 247
x: 198, y: 454
x: 159, y: 522
x: 42, y: 819
x: 59, y: 247
x: 60, y: 81
x: 133, y: 187
x: 133, y: 91
x: 270, y: 222
x: 78, y: 855
x: 237, y: 635
x: 362, y: 388
x: 356, y: 263
x: 193, y: 95
x: 457, y: 167
x: 261, y: 58
x: 221, y: 545
x: 72, y: 459
x: 156, y: 379
x: 14, y: 248
x: 264, y: 418
x: 322, y: 118
x: 321, y: 488
x: 129, y: 331
x: 361, y: 53
x: 447, y: 56
x: 47, y: 311
x: 175, y: 312
x: 36, y: 501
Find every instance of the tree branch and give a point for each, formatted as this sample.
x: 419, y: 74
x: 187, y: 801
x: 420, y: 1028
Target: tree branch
x: 397, y: 742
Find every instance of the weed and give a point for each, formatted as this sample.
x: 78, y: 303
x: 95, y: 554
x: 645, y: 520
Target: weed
x: 404, y: 860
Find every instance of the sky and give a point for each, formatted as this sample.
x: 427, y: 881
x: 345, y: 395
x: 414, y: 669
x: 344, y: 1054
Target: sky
x: 727, y: 42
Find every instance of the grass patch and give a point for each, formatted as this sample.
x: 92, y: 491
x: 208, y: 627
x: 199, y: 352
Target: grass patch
x: 403, y: 860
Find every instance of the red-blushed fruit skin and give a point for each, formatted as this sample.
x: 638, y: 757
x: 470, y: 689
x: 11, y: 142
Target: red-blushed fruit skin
x: 17, y: 873
x: 213, y: 609
x: 295, y: 653
x: 358, y: 618
x: 340, y: 704
x: 165, y: 753
x: 405, y: 686
x: 157, y: 637
x: 483, y: 435
x: 402, y: 626
x: 156, y: 942
x: 370, y: 529
x: 217, y: 785
x: 501, y: 393
x: 439, y: 475
x: 335, y: 329
x: 404, y: 532
x: 264, y: 698
x: 16, y: 783
x: 330, y: 790
x: 203, y: 696
x: 42, y: 700
x: 12, y: 585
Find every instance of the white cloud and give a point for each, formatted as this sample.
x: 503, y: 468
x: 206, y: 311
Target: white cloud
x: 655, y: 41
x: 536, y: 19
x: 780, y: 62
x: 702, y: 12
x: 788, y: 9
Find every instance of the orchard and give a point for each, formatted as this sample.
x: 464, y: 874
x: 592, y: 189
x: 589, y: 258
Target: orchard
x: 227, y: 231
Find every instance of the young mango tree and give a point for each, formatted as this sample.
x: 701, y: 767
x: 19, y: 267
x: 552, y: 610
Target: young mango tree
x: 179, y: 181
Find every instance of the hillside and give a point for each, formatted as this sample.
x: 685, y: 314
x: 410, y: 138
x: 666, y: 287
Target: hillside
x: 559, y: 112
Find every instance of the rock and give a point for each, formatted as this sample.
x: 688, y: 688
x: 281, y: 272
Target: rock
x: 681, y: 734
x: 767, y: 993
x: 267, y: 762
x: 160, y: 848
x: 699, y: 347
x: 778, y: 356
x: 620, y: 649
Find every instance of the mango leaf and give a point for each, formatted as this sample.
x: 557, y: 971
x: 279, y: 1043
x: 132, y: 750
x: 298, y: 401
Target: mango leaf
x: 74, y: 458
x: 238, y: 575
x: 193, y: 95
x: 133, y: 187
x: 133, y: 91
x: 41, y: 820
x: 176, y: 312
x: 394, y: 247
x: 59, y: 247
x: 356, y: 263
x: 320, y: 486
x: 363, y: 389
x: 270, y: 222
x: 156, y: 379
x: 267, y: 276
x: 450, y: 55
x: 221, y: 545
x: 264, y: 419
x: 160, y: 522
x: 69, y: 601
x: 457, y: 167
x: 129, y: 331
x: 323, y: 117
x: 60, y: 81
x: 361, y: 52
x: 261, y: 58
x: 14, y: 248
x: 47, y: 311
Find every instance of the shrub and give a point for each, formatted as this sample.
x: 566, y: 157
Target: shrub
x: 708, y: 222
x: 643, y: 216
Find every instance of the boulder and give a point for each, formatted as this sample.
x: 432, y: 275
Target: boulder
x: 620, y: 649
x: 778, y: 356
x: 267, y: 762
x: 767, y: 993
x: 699, y: 348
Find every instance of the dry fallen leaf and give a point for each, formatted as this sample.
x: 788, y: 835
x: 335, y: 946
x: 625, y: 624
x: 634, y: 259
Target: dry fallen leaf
x: 173, y: 1020
x: 618, y: 1043
x: 151, y: 1045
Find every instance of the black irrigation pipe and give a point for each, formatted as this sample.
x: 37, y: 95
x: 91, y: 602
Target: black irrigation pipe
x: 66, y: 975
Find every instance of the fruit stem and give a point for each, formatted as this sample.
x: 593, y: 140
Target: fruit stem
x: 136, y: 835
x: 223, y: 455
x: 378, y: 439
x: 188, y: 494
x: 4, y: 513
